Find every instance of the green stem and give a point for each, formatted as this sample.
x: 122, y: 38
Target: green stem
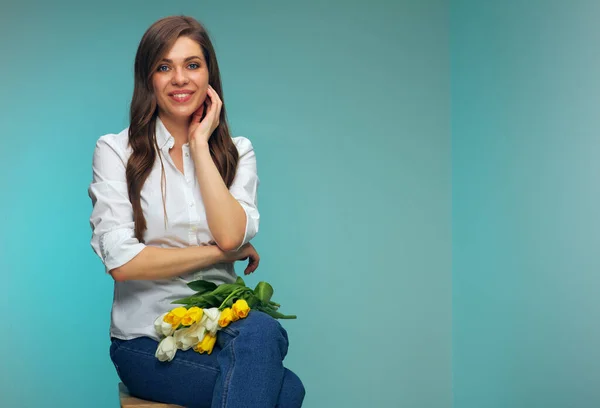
x: 235, y: 292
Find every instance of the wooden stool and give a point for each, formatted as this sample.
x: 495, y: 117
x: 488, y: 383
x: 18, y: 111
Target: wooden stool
x: 127, y: 401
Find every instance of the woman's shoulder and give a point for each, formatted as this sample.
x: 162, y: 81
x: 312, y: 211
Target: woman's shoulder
x: 243, y: 145
x: 117, y: 142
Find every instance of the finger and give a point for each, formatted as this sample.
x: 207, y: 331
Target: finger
x: 214, y: 96
x: 252, y: 265
x: 214, y: 103
x: 199, y: 112
x: 217, y: 116
x: 204, y: 111
x: 208, y: 111
x: 219, y: 101
x: 255, y: 261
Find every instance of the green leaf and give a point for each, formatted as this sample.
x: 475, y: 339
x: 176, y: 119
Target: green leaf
x: 277, y: 315
x: 213, y: 300
x: 187, y: 300
x: 229, y: 302
x: 202, y: 304
x: 202, y: 286
x: 226, y: 289
x: 240, y: 281
x: 263, y: 292
x: 249, y: 297
x: 252, y: 302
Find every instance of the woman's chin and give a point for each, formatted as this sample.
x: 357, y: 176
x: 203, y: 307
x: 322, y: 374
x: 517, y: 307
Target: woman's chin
x: 180, y: 114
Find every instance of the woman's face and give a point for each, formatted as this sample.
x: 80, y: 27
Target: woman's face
x: 181, y: 80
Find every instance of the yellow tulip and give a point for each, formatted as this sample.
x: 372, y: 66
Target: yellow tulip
x: 226, y: 317
x: 174, y: 316
x: 193, y: 315
x: 241, y: 308
x: 207, y: 344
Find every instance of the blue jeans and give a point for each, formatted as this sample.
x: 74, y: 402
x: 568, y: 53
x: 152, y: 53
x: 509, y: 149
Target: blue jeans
x: 245, y: 369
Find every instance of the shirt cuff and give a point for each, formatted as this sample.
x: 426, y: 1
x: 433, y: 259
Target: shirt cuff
x: 252, y: 218
x: 118, y: 247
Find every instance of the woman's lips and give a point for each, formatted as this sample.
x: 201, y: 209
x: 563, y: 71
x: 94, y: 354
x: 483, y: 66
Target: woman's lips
x: 181, y: 97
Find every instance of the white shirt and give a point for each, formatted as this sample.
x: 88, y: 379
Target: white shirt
x: 136, y: 304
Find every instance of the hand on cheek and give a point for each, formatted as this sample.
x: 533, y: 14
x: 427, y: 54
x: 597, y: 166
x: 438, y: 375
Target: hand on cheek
x: 203, y: 124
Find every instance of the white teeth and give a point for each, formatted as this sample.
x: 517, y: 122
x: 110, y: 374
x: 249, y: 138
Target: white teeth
x: 180, y: 95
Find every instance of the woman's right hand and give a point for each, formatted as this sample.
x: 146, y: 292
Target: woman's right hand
x: 247, y: 251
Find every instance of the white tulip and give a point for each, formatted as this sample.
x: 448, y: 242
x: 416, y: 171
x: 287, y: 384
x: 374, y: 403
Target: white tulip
x: 166, y: 349
x: 212, y: 319
x: 163, y: 328
x: 190, y: 336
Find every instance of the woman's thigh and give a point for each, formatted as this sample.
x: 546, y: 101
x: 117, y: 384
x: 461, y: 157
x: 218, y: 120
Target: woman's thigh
x: 188, y: 380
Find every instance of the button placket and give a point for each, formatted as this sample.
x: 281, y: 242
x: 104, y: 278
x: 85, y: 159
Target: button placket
x: 187, y: 164
x: 193, y: 239
x: 192, y: 216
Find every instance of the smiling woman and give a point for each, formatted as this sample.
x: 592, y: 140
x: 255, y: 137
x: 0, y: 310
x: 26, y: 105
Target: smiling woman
x: 181, y: 81
x: 175, y: 200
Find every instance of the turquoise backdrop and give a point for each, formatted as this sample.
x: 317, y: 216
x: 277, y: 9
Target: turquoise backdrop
x: 526, y: 230
x: 348, y: 106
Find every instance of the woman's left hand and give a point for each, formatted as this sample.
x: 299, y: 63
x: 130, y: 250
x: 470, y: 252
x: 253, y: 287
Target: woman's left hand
x: 200, y: 132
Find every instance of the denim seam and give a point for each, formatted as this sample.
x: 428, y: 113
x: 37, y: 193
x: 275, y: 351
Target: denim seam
x: 184, y: 362
x: 230, y: 330
x: 229, y: 373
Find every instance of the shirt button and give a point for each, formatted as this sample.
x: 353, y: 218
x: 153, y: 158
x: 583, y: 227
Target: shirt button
x: 192, y: 204
x: 187, y: 154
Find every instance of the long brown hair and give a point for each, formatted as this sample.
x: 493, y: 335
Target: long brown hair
x: 155, y: 43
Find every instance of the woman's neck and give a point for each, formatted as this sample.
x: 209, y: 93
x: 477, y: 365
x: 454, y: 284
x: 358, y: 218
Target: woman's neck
x: 177, y: 128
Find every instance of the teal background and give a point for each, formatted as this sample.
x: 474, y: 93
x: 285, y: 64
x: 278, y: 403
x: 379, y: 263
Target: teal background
x: 348, y: 107
x: 428, y: 193
x: 525, y: 124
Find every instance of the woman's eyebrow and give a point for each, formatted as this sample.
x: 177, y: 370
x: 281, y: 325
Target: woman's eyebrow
x: 185, y: 60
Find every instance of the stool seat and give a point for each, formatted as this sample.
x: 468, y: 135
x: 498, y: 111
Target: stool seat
x: 127, y: 401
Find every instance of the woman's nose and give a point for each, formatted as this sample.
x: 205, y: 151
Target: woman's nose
x: 179, y: 77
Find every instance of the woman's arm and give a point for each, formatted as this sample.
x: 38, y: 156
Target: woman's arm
x: 113, y: 239
x: 161, y: 263
x: 225, y: 216
x: 231, y: 214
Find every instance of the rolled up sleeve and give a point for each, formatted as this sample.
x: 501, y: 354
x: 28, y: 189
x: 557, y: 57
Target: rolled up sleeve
x: 245, y: 187
x: 113, y: 236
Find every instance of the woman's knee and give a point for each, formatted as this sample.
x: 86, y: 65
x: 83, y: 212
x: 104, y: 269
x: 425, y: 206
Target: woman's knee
x: 263, y: 328
x: 261, y: 323
x: 292, y: 391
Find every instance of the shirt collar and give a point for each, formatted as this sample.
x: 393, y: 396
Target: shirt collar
x: 163, y: 137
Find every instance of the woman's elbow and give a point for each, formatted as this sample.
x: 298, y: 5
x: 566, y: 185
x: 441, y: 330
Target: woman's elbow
x: 229, y: 244
x: 131, y: 269
x: 118, y: 274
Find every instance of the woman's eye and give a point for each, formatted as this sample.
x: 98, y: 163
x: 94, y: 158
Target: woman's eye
x: 194, y: 65
x: 163, y: 68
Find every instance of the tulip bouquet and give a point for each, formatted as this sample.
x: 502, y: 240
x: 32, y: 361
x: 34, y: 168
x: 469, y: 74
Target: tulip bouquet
x: 211, y: 308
